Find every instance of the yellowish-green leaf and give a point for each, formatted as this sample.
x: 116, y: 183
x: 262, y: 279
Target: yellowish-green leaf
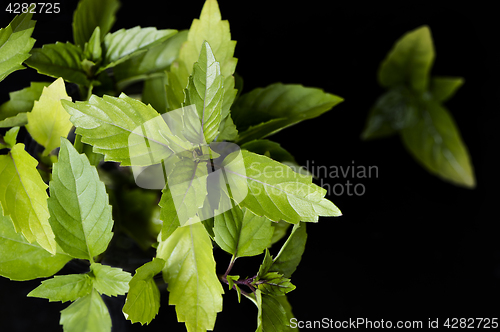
x: 87, y: 314
x: 21, y: 260
x: 48, y: 120
x: 23, y: 196
x: 190, y: 273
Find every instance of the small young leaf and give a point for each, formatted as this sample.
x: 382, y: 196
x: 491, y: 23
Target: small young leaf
x: 205, y: 91
x: 190, y: 273
x: 143, y: 299
x: 79, y: 211
x: 91, y: 14
x: 209, y: 28
x: 13, y: 112
x: 124, y: 130
x: 231, y: 283
x: 265, y: 111
x: 290, y: 254
x: 48, y: 121
x: 21, y: 260
x: 409, y: 61
x: 93, y: 50
x: 273, y: 283
x: 242, y: 233
x: 443, y: 88
x: 11, y: 137
x: 59, y: 60
x: 88, y: 313
x: 15, y: 44
x: 64, y: 288
x: 23, y: 196
x: 436, y: 143
x: 123, y: 44
x: 279, y: 193
x: 108, y: 280
x: 267, y: 262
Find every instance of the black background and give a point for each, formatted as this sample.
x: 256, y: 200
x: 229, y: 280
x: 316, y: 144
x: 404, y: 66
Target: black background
x: 413, y: 246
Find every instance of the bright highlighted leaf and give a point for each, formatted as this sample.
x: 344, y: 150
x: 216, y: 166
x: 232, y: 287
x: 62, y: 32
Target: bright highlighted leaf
x: 59, y: 60
x: 21, y: 260
x: 190, y: 273
x: 91, y: 14
x: 279, y: 193
x: 242, y: 233
x: 126, y: 43
x: 15, y: 44
x: 48, y: 121
x: 205, y: 91
x: 13, y: 112
x: 88, y: 313
x: 23, y: 196
x: 80, y: 214
x: 111, y: 281
x: 124, y: 130
x: 209, y: 28
x: 143, y: 299
x: 265, y: 111
x: 409, y: 61
x: 64, y: 288
x: 436, y: 143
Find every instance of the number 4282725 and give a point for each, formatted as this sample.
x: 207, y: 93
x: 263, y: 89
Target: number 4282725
x: 41, y: 7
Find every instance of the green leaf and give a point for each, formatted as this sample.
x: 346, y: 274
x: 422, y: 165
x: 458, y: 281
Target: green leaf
x: 123, y: 44
x: 108, y: 280
x: 21, y: 260
x: 265, y: 111
x: 242, y: 233
x: 209, y: 28
x: 271, y: 315
x: 288, y: 309
x: 409, y: 61
x: 231, y: 282
x: 393, y: 111
x: 124, y: 130
x: 59, y: 60
x: 280, y: 230
x: 48, y: 121
x: 154, y: 93
x: 435, y: 142
x: 267, y: 262
x: 13, y: 112
x: 443, y: 88
x: 279, y: 193
x: 92, y: 50
x: 91, y: 14
x: 273, y: 283
x: 15, y: 44
x: 151, y: 63
x: 291, y: 252
x: 143, y: 299
x: 23, y: 196
x: 88, y: 313
x: 205, y: 91
x: 228, y: 130
x: 79, y: 211
x: 11, y: 137
x: 64, y: 288
x: 190, y: 273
